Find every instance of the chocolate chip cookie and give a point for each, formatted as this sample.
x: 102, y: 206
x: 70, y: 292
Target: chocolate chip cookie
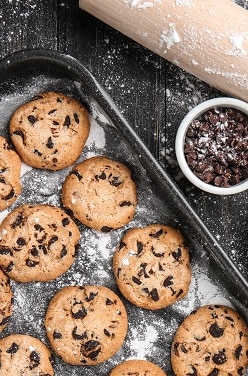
x: 6, y: 300
x: 10, y: 168
x: 211, y: 341
x: 101, y: 193
x: 86, y: 325
x: 137, y: 367
x: 37, y: 243
x: 50, y: 131
x: 24, y: 355
x: 151, y: 266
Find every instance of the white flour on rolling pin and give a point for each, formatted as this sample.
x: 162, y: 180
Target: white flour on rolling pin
x: 208, y: 39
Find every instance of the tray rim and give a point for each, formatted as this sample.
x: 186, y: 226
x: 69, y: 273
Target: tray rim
x: 76, y: 68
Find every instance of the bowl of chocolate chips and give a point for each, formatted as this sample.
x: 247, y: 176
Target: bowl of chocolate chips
x: 212, y: 146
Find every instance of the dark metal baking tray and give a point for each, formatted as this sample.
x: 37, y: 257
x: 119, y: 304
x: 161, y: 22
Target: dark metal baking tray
x: 215, y: 278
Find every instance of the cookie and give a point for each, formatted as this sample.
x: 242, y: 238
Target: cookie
x: 6, y: 301
x: 86, y: 325
x: 24, y: 355
x: 37, y: 243
x: 100, y: 193
x: 211, y: 341
x: 137, y: 367
x: 50, y: 131
x: 10, y: 169
x: 151, y: 266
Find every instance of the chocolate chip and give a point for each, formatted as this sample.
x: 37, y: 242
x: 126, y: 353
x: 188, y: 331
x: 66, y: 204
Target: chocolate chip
x: 156, y: 254
x: 67, y: 121
x: 238, y: 351
x: 240, y: 371
x: 216, y: 331
x: 154, y: 295
x: 106, y: 229
x: 37, y: 152
x: 107, y: 333
x: 57, y: 335
x: 91, y: 296
x: 19, y: 220
x: 53, y: 240
x: 9, y: 195
x: 38, y: 227
x: 34, y: 357
x: 80, y: 313
x: 76, y: 117
x: 9, y: 267
x: 220, y: 357
x: 109, y: 302
x: 168, y: 281
x: 156, y: 234
x: 77, y: 336
x: 63, y: 252
x: 52, y: 111
x: 125, y: 203
x: 21, y: 241
x: 91, y: 345
x: 31, y: 263
x: 6, y: 251
x: 216, y: 147
x: 32, y: 119
x: 13, y: 348
x: 77, y: 174
x: 115, y: 182
x: 87, y: 348
x: 102, y: 176
x: 136, y: 280
x: 177, y: 254
x: 140, y: 247
x: 65, y: 221
x: 50, y: 143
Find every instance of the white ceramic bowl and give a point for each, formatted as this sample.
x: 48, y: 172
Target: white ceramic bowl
x: 224, y: 102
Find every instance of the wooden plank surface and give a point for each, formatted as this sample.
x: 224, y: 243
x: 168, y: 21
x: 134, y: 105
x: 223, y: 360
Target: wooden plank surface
x: 152, y: 94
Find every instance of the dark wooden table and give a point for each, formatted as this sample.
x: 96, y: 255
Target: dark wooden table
x: 152, y: 94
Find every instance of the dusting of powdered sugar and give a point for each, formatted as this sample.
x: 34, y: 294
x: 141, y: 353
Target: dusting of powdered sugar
x: 141, y: 4
x: 169, y: 37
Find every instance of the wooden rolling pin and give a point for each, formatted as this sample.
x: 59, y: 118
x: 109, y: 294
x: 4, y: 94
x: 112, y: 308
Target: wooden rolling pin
x: 208, y: 39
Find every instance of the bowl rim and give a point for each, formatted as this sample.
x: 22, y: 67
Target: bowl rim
x: 180, y: 138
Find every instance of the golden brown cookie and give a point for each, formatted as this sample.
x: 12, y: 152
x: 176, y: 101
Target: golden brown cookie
x: 50, y: 131
x: 37, y: 243
x: 101, y: 193
x: 137, y: 367
x: 24, y: 355
x: 86, y: 325
x: 10, y: 169
x: 6, y: 300
x: 211, y: 341
x: 151, y: 266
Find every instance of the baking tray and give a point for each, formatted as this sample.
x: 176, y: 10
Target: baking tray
x: 215, y: 279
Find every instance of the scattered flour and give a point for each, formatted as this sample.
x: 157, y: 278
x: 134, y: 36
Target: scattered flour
x: 169, y: 37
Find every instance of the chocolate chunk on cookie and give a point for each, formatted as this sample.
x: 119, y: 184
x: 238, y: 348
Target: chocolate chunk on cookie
x: 50, y: 131
x: 211, y: 341
x: 137, y: 367
x: 86, y: 325
x: 101, y: 193
x: 24, y: 355
x: 6, y: 300
x: 10, y: 169
x: 37, y: 243
x: 151, y: 266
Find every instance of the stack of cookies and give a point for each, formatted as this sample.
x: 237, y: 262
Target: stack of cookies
x: 151, y: 264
